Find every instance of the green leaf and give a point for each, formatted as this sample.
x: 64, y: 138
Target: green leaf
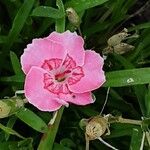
x: 45, y: 11
x: 10, y: 124
x: 15, y: 63
x: 31, y: 119
x: 50, y: 135
x: 3, y: 39
x: 6, y: 145
x: 136, y: 139
x: 127, y: 77
x: 147, y: 101
x: 120, y: 129
x: 10, y: 131
x: 25, y: 144
x: 60, y: 23
x: 13, y: 79
x: 140, y: 26
x: 60, y: 147
x: 18, y: 23
x: 80, y: 5
x: 68, y: 143
x: 140, y: 91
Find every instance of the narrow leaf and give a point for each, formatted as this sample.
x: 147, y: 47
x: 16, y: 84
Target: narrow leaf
x: 140, y: 26
x: 31, y: 119
x: 10, y: 131
x: 80, y: 5
x: 136, y: 139
x: 60, y: 23
x: 13, y: 79
x: 127, y: 77
x: 10, y: 124
x: 18, y: 23
x: 45, y: 11
x: 15, y: 63
x: 147, y: 101
x: 60, y: 147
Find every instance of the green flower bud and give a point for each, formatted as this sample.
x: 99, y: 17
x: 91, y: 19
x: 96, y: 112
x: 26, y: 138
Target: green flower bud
x: 73, y: 17
x: 10, y: 106
x: 4, y: 109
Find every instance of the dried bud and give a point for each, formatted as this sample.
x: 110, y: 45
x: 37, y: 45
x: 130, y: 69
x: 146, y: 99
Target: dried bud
x: 117, y: 38
x: 4, y: 109
x: 10, y: 106
x: 122, y: 48
x: 73, y: 17
x: 96, y: 127
x: 107, y: 50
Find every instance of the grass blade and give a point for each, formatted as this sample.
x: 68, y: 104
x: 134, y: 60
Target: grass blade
x: 15, y: 63
x: 44, y: 11
x: 31, y: 119
x: 127, y: 77
x: 60, y: 23
x: 136, y: 139
x: 10, y: 131
x: 80, y: 5
x: 18, y: 23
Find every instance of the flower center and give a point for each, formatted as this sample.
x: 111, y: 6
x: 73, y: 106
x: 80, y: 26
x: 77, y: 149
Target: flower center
x: 60, y: 77
x: 60, y: 74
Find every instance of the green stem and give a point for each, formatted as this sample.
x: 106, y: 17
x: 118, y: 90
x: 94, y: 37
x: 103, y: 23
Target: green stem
x: 48, y: 138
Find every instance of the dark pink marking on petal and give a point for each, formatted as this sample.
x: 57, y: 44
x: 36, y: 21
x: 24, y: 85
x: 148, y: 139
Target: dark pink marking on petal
x: 94, y: 76
x: 76, y: 75
x: 78, y: 98
x: 51, y: 64
x: 69, y: 63
x: 63, y: 74
x: 48, y: 80
x: 53, y: 86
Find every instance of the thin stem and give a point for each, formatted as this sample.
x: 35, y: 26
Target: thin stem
x: 87, y: 142
x: 119, y: 119
x: 107, y: 144
x: 79, y: 29
x: 106, y: 99
x: 48, y: 138
x: 142, y: 142
x: 148, y: 137
x: 129, y: 121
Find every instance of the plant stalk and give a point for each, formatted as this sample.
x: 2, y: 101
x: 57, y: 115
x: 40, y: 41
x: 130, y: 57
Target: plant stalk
x: 48, y: 138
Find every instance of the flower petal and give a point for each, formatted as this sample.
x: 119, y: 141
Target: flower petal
x: 35, y: 92
x: 93, y: 74
x: 40, y: 50
x: 78, y: 99
x: 72, y: 43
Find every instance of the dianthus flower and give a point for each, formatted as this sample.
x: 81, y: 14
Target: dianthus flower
x: 59, y: 71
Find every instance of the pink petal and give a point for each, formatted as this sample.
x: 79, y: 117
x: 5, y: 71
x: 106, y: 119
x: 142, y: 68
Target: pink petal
x: 35, y: 92
x: 40, y: 50
x: 78, y: 99
x: 72, y: 43
x: 93, y: 74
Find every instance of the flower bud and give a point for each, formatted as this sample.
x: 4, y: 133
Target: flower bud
x: 96, y: 127
x: 117, y: 38
x: 122, y: 48
x: 10, y: 105
x: 73, y: 17
x: 4, y: 109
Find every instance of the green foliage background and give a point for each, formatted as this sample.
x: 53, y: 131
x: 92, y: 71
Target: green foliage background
x: 23, y: 20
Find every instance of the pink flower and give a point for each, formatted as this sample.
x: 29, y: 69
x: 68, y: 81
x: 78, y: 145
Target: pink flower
x: 59, y: 71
